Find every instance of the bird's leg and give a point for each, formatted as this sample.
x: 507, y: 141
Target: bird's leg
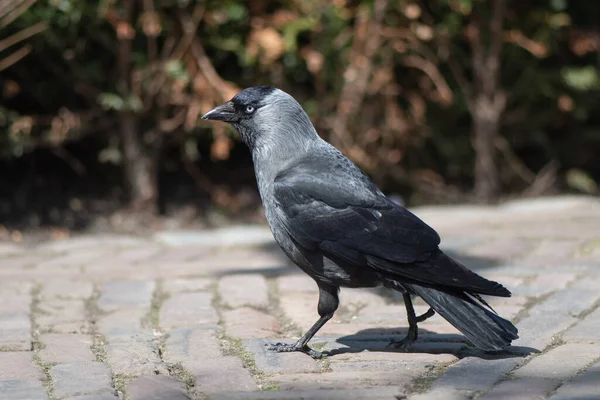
x: 328, y: 303
x: 413, y: 319
x: 428, y: 314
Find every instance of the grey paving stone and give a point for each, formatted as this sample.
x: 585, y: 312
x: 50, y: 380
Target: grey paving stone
x: 156, y: 387
x: 74, y: 259
x: 560, y: 363
x: 15, y: 332
x: 475, y: 374
x: 188, y: 309
x: 378, y: 393
x: 522, y: 389
x: 284, y: 363
x: 586, y: 330
x: 244, y: 290
x: 231, y: 236
x: 188, y: 346
x: 10, y: 249
x: 221, y: 374
x: 550, y: 204
x: 584, y: 386
x: 126, y: 294
x: 63, y: 348
x: 241, y: 260
x: 296, y: 283
x: 66, y: 289
x: 545, y: 320
x: 502, y: 248
x: 18, y: 366
x: 100, y: 396
x: 12, y: 288
x: 246, y: 322
x: 22, y: 390
x: 123, y: 325
x: 444, y: 394
x: 134, y: 358
x: 62, y: 316
x: 94, y: 241
x: 186, y: 285
x: 346, y: 380
x: 394, y: 356
x: 15, y: 324
x: 77, y: 378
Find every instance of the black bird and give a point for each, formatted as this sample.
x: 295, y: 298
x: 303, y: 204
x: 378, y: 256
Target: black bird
x: 333, y: 222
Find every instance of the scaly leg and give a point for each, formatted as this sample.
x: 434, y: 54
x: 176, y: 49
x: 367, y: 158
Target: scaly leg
x: 413, y: 319
x: 328, y: 303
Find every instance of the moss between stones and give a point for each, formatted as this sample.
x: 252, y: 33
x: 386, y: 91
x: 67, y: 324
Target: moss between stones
x: 120, y: 383
x: 182, y: 375
x: 158, y: 299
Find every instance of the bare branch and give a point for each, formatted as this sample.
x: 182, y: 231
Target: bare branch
x: 513, y: 161
x: 225, y: 89
x: 14, y: 57
x: 76, y: 164
x: 496, y: 36
x: 433, y: 73
x: 22, y: 35
x: 8, y: 16
x: 516, y: 37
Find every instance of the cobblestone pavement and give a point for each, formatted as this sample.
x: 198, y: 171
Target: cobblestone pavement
x: 178, y: 317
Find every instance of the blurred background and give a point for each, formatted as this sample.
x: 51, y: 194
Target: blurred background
x: 440, y: 101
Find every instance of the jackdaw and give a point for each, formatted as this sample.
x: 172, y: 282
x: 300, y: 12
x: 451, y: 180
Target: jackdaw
x: 334, y: 223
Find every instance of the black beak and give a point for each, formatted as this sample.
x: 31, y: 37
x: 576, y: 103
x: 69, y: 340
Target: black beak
x: 224, y: 112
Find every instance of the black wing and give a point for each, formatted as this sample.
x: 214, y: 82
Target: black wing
x: 321, y: 204
x: 342, y: 213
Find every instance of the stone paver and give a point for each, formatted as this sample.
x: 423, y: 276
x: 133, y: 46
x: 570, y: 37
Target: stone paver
x: 244, y: 290
x: 15, y: 322
x: 78, y: 378
x: 560, y: 363
x: 63, y: 348
x: 156, y: 387
x: 247, y: 322
x: 522, y: 389
x: 584, y: 386
x: 125, y: 294
x: 188, y: 309
x: 186, y: 315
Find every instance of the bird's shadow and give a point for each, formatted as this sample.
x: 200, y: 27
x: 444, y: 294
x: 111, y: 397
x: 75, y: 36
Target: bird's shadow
x: 381, y: 340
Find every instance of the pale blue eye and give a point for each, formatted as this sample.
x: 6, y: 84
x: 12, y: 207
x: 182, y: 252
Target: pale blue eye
x: 249, y: 109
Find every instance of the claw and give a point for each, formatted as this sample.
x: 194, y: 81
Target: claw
x: 287, y: 348
x: 403, y: 344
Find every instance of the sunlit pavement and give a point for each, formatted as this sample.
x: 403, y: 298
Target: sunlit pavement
x: 186, y: 315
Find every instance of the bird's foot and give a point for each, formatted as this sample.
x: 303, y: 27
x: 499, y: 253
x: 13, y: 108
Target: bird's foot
x: 403, y: 344
x: 288, y: 347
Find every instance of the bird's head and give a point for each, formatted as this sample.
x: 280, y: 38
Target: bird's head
x: 264, y: 113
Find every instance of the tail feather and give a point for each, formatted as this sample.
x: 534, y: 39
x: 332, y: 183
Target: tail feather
x: 485, y: 329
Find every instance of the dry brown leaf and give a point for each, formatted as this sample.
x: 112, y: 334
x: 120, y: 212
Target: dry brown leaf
x: 150, y: 22
x: 125, y: 30
x: 283, y: 17
x: 268, y: 43
x: 314, y: 60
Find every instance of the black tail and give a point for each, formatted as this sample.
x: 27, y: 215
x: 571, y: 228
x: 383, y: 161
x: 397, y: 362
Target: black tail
x: 485, y: 329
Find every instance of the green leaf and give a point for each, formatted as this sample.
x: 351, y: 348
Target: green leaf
x: 190, y: 149
x: 581, y: 180
x: 111, y: 101
x: 581, y: 79
x: 134, y: 103
x: 110, y: 155
x: 236, y: 12
x: 558, y: 5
